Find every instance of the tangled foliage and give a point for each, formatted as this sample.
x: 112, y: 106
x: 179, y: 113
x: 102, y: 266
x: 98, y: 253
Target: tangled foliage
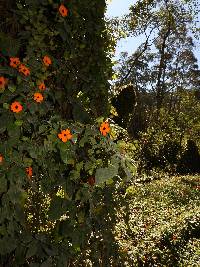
x: 55, y: 161
x: 159, y: 223
x: 159, y: 149
x: 172, y: 142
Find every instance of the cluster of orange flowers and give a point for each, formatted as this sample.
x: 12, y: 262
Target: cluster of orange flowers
x: 38, y: 97
x: 15, y: 63
x: 23, y: 69
x: 16, y: 106
x: 66, y: 135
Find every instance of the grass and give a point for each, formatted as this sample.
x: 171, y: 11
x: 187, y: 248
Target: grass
x: 159, y: 223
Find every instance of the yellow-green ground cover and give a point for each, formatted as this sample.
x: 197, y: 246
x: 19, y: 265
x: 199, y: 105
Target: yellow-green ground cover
x: 159, y: 223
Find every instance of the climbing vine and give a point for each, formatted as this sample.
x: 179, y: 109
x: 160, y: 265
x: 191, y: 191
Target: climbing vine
x: 58, y: 163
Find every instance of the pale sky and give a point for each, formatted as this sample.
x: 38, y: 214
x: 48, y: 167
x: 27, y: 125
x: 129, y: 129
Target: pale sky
x: 119, y: 8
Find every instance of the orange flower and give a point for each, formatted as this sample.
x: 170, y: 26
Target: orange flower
x: 42, y: 86
x: 29, y: 171
x: 1, y: 158
x: 24, y: 69
x: 38, y: 97
x: 2, y: 82
x: 104, y: 128
x: 14, y: 62
x: 16, y: 107
x: 65, y: 135
x: 63, y: 11
x: 174, y: 237
x: 47, y: 61
x: 91, y: 180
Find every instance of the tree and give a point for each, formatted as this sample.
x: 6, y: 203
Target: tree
x: 164, y: 64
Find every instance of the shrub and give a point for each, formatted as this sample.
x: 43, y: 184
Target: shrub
x: 159, y: 149
x: 190, y: 159
x: 163, y: 145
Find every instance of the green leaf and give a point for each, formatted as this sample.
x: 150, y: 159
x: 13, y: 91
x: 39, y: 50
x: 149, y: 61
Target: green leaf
x: 34, y: 265
x: 6, y: 106
x: 99, y: 119
x: 103, y: 174
x: 2, y: 89
x: 7, y: 245
x: 75, y: 175
x: 63, y: 146
x: 47, y: 263
x: 56, y: 209
x: 66, y: 227
x: 42, y: 128
x: 80, y: 114
x: 16, y: 195
x: 63, y: 34
x: 18, y: 122
x: 13, y: 131
x: 82, y: 46
x: 20, y: 255
x: 5, y: 120
x: 9, y: 45
x: 3, y: 184
x: 32, y: 250
x: 64, y: 156
x: 12, y: 88
x: 33, y: 153
x: 27, y: 161
x: 83, y: 140
x: 49, y: 250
